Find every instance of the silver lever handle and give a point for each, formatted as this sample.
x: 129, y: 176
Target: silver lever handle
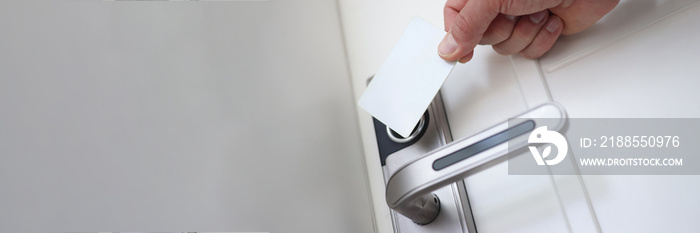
x: 409, y: 190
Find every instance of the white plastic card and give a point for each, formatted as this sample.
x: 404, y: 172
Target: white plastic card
x: 407, y: 82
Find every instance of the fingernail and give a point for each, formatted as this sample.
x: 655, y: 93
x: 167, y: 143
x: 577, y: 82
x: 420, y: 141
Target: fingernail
x: 536, y: 18
x: 511, y: 17
x: 448, y: 45
x: 553, y: 25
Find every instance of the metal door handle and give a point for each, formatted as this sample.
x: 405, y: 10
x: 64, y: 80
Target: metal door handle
x: 409, y: 190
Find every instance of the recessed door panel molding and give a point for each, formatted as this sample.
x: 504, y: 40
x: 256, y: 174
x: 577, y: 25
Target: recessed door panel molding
x: 647, y: 70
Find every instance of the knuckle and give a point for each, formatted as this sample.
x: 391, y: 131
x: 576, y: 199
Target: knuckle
x: 502, y: 49
x: 541, y: 44
x: 461, y: 24
x: 532, y: 54
x: 506, y: 6
x: 502, y: 34
x: 521, y: 36
x: 495, y: 36
x: 461, y: 31
x: 538, y: 47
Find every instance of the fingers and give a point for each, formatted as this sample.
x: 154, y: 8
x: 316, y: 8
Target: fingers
x: 469, y: 22
x: 467, y: 27
x: 545, y: 38
x: 523, y: 34
x: 452, y: 8
x: 533, y: 35
x: 499, y: 30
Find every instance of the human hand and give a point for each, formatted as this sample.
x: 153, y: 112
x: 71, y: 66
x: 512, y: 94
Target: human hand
x: 528, y: 27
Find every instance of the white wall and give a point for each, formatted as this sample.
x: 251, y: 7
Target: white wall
x: 191, y: 116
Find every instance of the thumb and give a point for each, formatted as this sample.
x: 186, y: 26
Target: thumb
x: 466, y: 31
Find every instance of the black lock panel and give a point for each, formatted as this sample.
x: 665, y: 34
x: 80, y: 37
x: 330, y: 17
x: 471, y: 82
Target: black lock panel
x: 388, y: 146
